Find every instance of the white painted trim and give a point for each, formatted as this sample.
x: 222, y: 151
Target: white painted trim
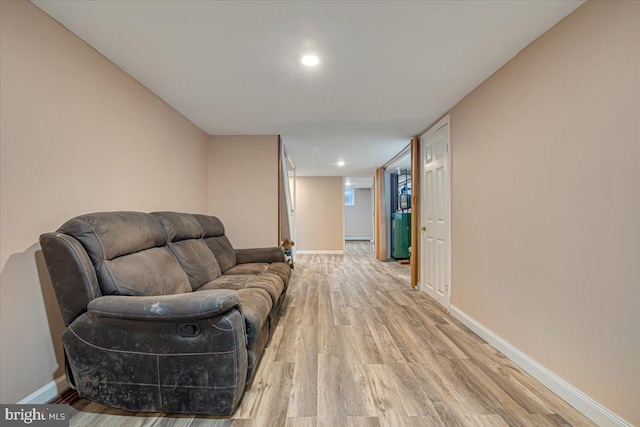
x: 344, y: 215
x: 47, y: 393
x: 583, y: 403
x: 447, y: 120
x: 357, y: 237
x: 320, y: 252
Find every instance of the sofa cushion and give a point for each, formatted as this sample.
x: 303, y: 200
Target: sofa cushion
x: 184, y: 235
x: 251, y: 268
x: 222, y: 250
x: 211, y: 225
x: 129, y: 253
x: 256, y: 306
x: 197, y: 261
x: 237, y: 281
x: 219, y: 245
x: 107, y: 235
x: 268, y: 255
x: 153, y: 271
x: 271, y: 283
x: 282, y: 270
x: 179, y: 226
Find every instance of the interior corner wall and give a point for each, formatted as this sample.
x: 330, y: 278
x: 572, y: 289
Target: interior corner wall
x: 357, y: 218
x: 319, y: 214
x: 78, y: 135
x: 243, y: 188
x: 546, y: 203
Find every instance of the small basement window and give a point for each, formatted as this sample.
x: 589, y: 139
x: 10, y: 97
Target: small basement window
x: 349, y: 197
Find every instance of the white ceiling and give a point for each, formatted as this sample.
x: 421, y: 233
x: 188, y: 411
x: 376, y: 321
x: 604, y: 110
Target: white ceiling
x: 387, y: 71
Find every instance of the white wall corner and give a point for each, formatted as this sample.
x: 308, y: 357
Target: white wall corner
x: 47, y: 393
x: 583, y: 403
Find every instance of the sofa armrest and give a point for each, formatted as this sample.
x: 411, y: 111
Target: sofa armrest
x: 188, y: 306
x: 274, y: 254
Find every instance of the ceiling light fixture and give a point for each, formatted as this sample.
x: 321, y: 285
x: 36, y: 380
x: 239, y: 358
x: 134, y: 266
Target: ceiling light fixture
x: 310, y: 60
x: 340, y: 163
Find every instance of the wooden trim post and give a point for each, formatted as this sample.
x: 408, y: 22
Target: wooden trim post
x: 381, y: 217
x: 415, y: 211
x: 280, y: 184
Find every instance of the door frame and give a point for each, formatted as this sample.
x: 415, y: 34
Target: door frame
x: 444, y: 121
x: 380, y: 230
x: 416, y: 187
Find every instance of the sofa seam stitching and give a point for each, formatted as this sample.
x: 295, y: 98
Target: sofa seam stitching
x: 170, y: 317
x: 146, y: 354
x: 156, y: 385
x: 104, y: 255
x: 198, y: 256
x: 171, y: 246
x: 164, y: 289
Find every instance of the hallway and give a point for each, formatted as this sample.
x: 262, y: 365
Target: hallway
x: 356, y: 346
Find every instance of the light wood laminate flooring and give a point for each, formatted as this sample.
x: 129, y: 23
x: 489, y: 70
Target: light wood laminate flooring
x: 356, y: 346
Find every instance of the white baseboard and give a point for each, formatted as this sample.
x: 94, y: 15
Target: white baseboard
x: 47, y: 393
x: 583, y: 403
x: 357, y: 238
x: 320, y: 252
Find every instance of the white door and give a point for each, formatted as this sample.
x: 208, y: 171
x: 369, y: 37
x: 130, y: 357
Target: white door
x: 435, y: 202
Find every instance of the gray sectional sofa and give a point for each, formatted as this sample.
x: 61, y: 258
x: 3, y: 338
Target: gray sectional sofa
x: 162, y: 313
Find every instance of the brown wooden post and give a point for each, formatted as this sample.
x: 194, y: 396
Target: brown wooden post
x: 381, y: 217
x: 415, y: 211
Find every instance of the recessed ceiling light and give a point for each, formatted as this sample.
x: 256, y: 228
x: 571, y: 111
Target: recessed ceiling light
x: 310, y: 60
x: 340, y: 163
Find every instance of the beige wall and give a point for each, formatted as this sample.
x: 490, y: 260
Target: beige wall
x: 78, y: 135
x: 319, y: 213
x: 358, y: 219
x: 243, y: 188
x: 546, y: 203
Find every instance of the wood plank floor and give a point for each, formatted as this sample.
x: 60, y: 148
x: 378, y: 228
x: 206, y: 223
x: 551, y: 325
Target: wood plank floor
x: 356, y: 346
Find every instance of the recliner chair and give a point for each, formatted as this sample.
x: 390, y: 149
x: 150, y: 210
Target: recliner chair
x: 162, y: 313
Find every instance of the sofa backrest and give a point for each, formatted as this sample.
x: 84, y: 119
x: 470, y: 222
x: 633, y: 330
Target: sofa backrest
x: 184, y: 235
x: 129, y: 253
x: 213, y: 235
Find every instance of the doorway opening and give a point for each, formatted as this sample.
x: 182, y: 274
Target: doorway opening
x: 394, y: 213
x: 358, y: 209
